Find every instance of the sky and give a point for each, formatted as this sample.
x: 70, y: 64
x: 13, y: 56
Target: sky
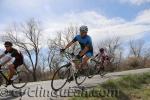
x: 129, y: 19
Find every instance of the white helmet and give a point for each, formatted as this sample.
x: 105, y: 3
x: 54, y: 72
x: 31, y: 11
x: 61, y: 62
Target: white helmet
x: 83, y: 28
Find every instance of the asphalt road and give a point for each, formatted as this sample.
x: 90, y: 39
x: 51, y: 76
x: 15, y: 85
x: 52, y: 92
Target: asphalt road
x: 42, y: 90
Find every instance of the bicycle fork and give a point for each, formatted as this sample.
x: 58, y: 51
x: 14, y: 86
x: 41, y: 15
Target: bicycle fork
x: 73, y: 70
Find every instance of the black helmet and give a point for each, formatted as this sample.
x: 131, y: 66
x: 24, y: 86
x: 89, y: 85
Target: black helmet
x: 7, y: 43
x: 101, y: 49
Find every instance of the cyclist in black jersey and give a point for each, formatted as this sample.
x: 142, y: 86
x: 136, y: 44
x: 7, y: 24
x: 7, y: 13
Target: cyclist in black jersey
x: 17, y: 62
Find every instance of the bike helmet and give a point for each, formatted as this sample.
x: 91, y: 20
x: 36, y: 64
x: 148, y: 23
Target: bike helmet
x: 83, y: 28
x: 7, y: 43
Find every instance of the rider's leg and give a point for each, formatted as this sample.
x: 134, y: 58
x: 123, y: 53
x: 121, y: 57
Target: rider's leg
x: 102, y: 65
x: 86, y: 57
x: 12, y: 71
x: 84, y: 62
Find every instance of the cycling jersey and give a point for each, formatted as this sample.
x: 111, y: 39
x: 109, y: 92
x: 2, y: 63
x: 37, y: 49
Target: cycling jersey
x: 103, y: 57
x: 18, y: 57
x: 85, y: 41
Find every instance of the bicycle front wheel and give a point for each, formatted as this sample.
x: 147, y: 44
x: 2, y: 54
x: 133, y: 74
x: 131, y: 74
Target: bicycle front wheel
x: 102, y: 71
x: 91, y: 71
x: 21, y: 80
x: 59, y: 82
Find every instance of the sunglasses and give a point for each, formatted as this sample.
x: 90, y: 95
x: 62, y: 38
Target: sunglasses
x: 7, y: 46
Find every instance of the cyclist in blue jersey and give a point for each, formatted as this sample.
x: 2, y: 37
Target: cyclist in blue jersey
x: 85, y: 42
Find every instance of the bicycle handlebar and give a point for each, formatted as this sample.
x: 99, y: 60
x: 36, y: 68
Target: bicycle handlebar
x: 68, y: 53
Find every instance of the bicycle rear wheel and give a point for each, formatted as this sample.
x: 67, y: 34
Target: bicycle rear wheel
x: 81, y: 77
x: 21, y: 80
x: 1, y: 78
x: 58, y: 84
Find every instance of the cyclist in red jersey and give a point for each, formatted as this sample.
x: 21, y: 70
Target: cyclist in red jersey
x: 102, y: 57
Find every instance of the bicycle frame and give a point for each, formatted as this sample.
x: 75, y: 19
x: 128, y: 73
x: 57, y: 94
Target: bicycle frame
x: 4, y: 76
x: 72, y: 67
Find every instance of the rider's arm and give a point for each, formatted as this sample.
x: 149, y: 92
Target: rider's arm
x: 73, y: 41
x: 3, y: 63
x: 111, y: 58
x: 69, y: 44
x: 84, y: 51
x: 9, y: 57
x: 2, y: 55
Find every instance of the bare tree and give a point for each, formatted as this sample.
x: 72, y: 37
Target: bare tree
x: 112, y: 46
x: 27, y: 37
x: 52, y: 58
x: 137, y: 53
x: 61, y: 40
x: 42, y: 61
x: 136, y: 47
x: 146, y: 56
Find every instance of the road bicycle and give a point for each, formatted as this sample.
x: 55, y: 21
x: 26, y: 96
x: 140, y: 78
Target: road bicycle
x: 97, y: 68
x: 63, y: 74
x: 20, y: 80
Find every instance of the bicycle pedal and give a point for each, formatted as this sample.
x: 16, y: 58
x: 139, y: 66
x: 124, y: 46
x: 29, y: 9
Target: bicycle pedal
x: 70, y: 79
x: 20, y: 80
x: 7, y: 84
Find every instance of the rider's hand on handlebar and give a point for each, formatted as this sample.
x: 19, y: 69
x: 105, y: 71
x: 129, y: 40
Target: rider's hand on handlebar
x: 62, y: 50
x: 78, y: 56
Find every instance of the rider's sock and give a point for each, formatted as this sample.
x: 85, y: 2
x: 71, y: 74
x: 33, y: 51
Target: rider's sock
x: 14, y: 77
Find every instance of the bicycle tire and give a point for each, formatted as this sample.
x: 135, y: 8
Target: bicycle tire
x: 21, y: 76
x: 102, y: 73
x: 53, y: 78
x: 90, y: 72
x: 82, y: 80
x: 93, y: 71
x: 1, y: 78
